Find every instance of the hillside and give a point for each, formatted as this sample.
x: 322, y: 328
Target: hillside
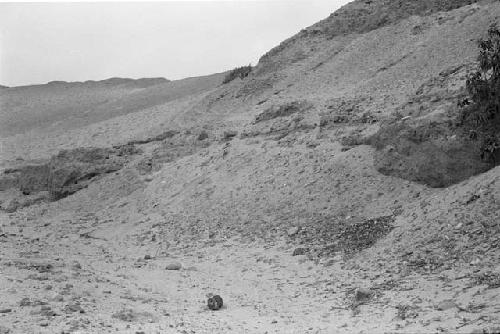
x: 330, y: 191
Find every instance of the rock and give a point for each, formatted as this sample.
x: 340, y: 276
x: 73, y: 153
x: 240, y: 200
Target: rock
x: 292, y: 231
x: 229, y: 134
x: 58, y: 298
x: 25, y: 302
x: 129, y: 315
x: 174, y: 266
x: 147, y: 257
x: 202, y: 135
x: 362, y: 295
x: 72, y: 308
x: 300, y: 251
x: 5, y: 310
x: 446, y: 305
x: 45, y: 311
x: 76, y: 265
x: 215, y: 303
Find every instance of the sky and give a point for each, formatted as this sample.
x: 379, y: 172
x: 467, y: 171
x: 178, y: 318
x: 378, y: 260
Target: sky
x: 41, y: 42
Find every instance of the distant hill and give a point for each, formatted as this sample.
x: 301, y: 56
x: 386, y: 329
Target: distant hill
x: 76, y: 104
x: 143, y: 82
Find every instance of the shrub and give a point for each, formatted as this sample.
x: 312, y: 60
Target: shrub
x: 482, y: 113
x: 239, y: 72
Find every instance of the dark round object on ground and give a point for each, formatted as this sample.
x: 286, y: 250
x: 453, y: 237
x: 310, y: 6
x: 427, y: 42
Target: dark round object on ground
x: 215, y: 303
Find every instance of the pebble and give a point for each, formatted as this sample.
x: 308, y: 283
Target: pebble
x: 76, y: 265
x: 292, y: 231
x: 363, y: 294
x: 299, y: 251
x: 174, y: 266
x: 446, y: 305
x: 4, y: 330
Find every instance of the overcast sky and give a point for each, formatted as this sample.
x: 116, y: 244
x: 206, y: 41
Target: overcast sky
x: 41, y: 42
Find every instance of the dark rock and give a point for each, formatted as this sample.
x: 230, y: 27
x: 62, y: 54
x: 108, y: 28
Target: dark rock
x: 215, y: 303
x: 229, y: 134
x: 300, y: 251
x: 362, y: 295
x: 5, y: 310
x: 65, y: 173
x: 202, y: 135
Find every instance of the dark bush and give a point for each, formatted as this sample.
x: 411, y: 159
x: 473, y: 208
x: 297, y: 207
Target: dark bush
x: 481, y: 115
x: 238, y: 72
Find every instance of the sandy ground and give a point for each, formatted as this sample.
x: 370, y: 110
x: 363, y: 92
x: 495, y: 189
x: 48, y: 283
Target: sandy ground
x: 77, y: 273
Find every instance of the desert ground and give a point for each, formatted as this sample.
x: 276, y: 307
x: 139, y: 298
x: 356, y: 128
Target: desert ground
x: 326, y: 192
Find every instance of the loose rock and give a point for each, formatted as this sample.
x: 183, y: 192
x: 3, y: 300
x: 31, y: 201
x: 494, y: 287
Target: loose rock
x: 292, y: 231
x: 445, y: 305
x: 215, y: 303
x: 174, y: 266
x: 300, y: 251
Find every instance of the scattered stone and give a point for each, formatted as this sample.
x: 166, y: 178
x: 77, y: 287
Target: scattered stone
x: 72, y: 308
x: 38, y: 277
x: 25, y: 302
x: 174, y: 266
x: 58, y: 298
x: 292, y: 231
x: 45, y: 311
x: 300, y: 251
x: 362, y: 295
x: 130, y: 315
x: 76, y: 265
x: 406, y: 312
x: 230, y: 134
x: 491, y: 279
x: 215, y: 303
x: 446, y: 305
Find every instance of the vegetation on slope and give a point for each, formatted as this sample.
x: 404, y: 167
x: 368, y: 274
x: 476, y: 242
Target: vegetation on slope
x: 482, y: 116
x: 239, y: 72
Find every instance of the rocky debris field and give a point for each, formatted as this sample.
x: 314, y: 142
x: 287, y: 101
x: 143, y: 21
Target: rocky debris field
x: 67, y: 274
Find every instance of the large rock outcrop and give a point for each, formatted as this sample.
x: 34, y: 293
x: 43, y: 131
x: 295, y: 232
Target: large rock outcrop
x: 67, y: 172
